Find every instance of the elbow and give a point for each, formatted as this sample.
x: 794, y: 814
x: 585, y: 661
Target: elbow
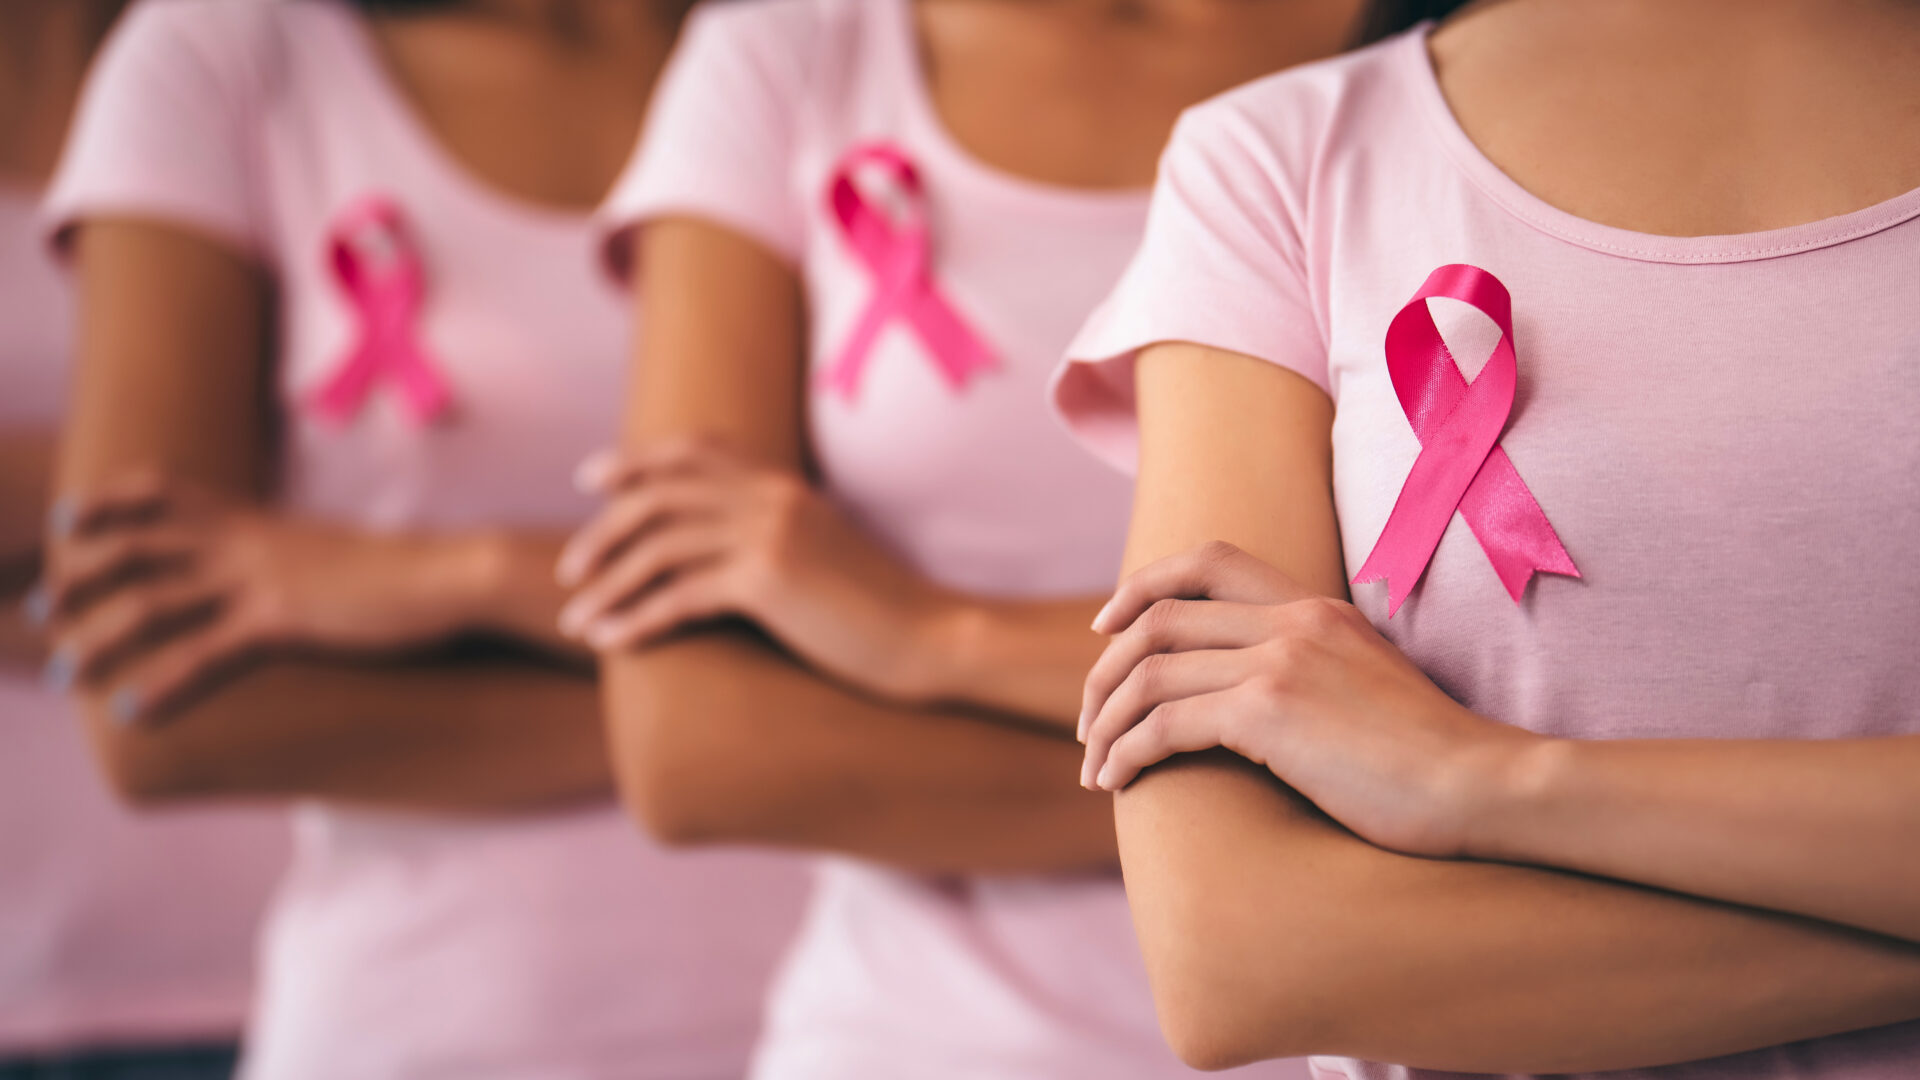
x: 1214, y: 1016
x: 140, y: 770
x: 153, y: 766
x: 676, y: 775
x: 666, y: 796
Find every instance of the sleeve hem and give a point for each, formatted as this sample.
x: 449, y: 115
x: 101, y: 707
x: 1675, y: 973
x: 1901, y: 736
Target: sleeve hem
x: 58, y: 222
x: 1092, y: 395
x: 619, y: 229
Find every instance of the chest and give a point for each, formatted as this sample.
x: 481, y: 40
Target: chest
x: 926, y: 382
x: 1727, y: 453
x: 509, y: 318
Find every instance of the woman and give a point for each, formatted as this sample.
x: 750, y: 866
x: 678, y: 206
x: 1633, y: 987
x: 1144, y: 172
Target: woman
x: 341, y: 344
x: 125, y: 944
x: 1612, y: 762
x: 865, y: 230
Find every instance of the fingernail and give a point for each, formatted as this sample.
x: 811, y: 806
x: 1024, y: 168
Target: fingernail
x: 1104, y: 780
x: 1101, y: 618
x: 37, y: 608
x: 571, y: 619
x: 592, y: 472
x: 1080, y: 728
x: 600, y: 636
x: 59, y: 673
x: 125, y: 706
x: 62, y: 516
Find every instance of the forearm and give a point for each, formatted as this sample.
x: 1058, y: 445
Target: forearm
x: 1270, y: 932
x: 490, y: 735
x: 1825, y: 828
x: 1027, y: 657
x: 717, y: 738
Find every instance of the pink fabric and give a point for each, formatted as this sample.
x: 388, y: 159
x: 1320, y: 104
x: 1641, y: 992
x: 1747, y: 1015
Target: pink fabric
x: 1724, y: 430
x: 897, y: 975
x: 113, y: 929
x: 537, y: 947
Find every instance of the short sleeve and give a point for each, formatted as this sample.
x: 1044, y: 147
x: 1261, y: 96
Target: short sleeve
x: 720, y: 134
x: 1222, y: 265
x: 167, y: 129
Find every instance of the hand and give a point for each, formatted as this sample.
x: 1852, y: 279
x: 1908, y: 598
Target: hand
x: 694, y: 532
x: 1213, y: 647
x: 154, y: 584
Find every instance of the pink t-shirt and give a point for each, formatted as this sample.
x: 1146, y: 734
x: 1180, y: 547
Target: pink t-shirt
x: 547, y: 946
x: 113, y: 929
x: 898, y: 975
x: 1721, y: 429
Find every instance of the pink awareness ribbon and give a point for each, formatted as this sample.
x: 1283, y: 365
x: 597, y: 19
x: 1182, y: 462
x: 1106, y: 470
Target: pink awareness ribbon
x: 1461, y: 465
x: 898, y: 255
x: 380, y: 270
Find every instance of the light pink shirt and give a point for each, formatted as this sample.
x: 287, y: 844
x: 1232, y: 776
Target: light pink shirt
x: 540, y: 947
x: 113, y: 929
x: 1724, y: 431
x: 896, y: 975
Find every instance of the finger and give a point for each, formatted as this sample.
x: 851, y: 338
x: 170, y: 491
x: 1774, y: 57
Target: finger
x: 656, y: 556
x: 1171, y: 626
x: 142, y: 494
x: 626, y: 520
x: 1212, y: 571
x: 134, y: 620
x: 610, y: 470
x: 1157, y: 680
x: 172, y: 673
x: 689, y: 598
x: 87, y: 567
x: 1176, y: 727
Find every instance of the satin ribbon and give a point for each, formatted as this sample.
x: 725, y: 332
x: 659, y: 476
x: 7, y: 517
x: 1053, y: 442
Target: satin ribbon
x: 380, y: 270
x: 1461, y: 465
x: 898, y: 255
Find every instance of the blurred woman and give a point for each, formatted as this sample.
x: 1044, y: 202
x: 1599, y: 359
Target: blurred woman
x: 866, y: 229
x: 342, y: 343
x: 1578, y: 341
x: 125, y: 945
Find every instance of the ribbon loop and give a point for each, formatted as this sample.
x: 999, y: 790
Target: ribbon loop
x: 380, y: 270
x: 1461, y: 464
x: 898, y: 255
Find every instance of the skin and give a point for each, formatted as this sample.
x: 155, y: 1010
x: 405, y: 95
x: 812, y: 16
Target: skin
x: 1249, y: 645
x: 223, y: 647
x: 25, y: 459
x: 44, y: 48
x: 837, y: 680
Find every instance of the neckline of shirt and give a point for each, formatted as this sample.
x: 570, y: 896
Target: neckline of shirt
x: 899, y: 43
x: 1493, y: 182
x: 390, y: 100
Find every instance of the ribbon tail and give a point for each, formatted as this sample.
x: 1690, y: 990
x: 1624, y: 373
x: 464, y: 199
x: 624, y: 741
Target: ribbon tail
x: 422, y: 388
x: 1413, y: 531
x: 1397, y: 566
x: 957, y: 350
x: 843, y: 374
x: 337, y: 398
x: 1512, y: 528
